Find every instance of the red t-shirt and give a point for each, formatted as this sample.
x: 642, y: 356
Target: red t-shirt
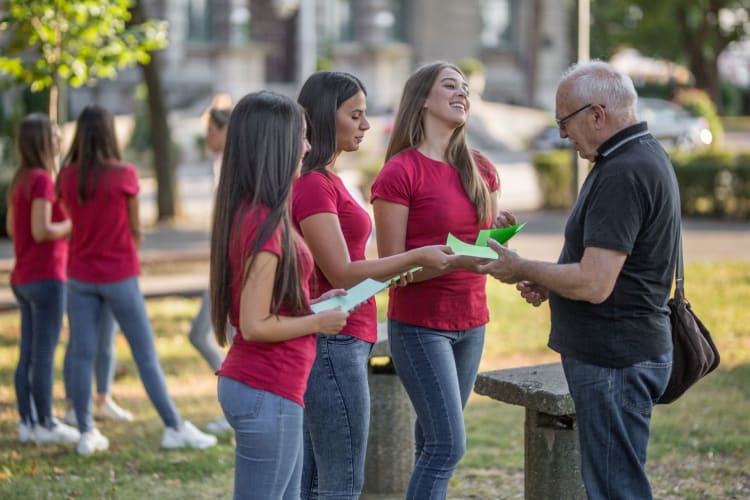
x: 102, y: 249
x: 438, y: 205
x: 278, y: 367
x: 315, y: 193
x: 36, y: 261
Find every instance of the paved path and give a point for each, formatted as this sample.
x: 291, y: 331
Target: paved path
x: 705, y: 240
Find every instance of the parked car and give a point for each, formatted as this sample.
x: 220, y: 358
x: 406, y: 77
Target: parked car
x: 673, y: 125
x: 549, y: 139
x: 670, y: 123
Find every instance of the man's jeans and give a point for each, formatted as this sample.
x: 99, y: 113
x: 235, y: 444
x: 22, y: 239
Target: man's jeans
x: 268, y: 431
x: 613, y: 411
x: 337, y: 419
x: 438, y: 369
x: 42, y: 304
x: 85, y: 301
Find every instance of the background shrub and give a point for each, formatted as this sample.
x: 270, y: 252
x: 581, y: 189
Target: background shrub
x: 698, y: 103
x: 554, y: 172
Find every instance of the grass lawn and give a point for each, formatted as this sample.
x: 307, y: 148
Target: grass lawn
x: 700, y: 446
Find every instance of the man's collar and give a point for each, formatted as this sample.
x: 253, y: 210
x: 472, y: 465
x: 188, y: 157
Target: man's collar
x: 621, y: 138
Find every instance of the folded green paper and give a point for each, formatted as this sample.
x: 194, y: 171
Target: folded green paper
x: 461, y: 248
x: 501, y: 234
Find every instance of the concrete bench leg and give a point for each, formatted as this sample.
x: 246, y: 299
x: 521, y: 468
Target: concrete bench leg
x: 552, y: 461
x: 390, y: 446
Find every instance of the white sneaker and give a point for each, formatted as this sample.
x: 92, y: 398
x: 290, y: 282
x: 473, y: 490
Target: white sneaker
x: 70, y: 417
x: 218, y: 426
x: 187, y: 436
x: 58, y: 433
x: 92, y: 441
x: 25, y: 433
x: 109, y: 410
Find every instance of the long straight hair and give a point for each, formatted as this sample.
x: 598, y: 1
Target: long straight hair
x: 34, y: 146
x: 321, y: 96
x: 93, y: 148
x: 264, y: 144
x: 409, y: 132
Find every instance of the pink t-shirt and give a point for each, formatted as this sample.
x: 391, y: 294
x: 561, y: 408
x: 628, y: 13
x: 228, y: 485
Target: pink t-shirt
x: 315, y: 193
x: 102, y: 249
x: 438, y: 205
x: 36, y: 261
x: 278, y: 367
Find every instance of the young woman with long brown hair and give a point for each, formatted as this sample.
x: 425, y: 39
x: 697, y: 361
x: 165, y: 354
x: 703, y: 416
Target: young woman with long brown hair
x: 100, y: 193
x: 260, y: 271
x: 433, y: 184
x: 38, y: 225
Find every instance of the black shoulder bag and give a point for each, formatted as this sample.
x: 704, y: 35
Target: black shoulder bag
x: 695, y: 354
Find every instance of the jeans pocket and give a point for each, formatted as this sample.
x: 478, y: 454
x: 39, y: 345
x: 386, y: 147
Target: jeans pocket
x: 340, y: 339
x: 643, y: 383
x: 239, y: 400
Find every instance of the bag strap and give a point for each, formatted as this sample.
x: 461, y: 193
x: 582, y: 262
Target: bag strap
x: 679, y: 272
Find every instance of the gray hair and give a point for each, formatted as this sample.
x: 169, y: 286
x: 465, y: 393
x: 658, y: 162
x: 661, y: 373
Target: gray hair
x: 597, y: 82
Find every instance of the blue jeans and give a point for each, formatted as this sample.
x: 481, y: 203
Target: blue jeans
x: 438, y: 369
x: 202, y: 335
x: 41, y: 304
x: 85, y: 302
x: 104, y: 359
x: 613, y: 412
x: 337, y: 419
x: 268, y: 431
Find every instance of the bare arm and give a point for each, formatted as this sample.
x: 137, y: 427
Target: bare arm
x: 324, y: 237
x: 134, y: 220
x: 42, y: 227
x: 591, y: 280
x: 257, y: 324
x: 9, y: 220
x: 390, y: 221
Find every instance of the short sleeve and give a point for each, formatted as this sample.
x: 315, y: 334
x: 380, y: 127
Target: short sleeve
x: 614, y: 214
x: 130, y: 183
x: 42, y: 187
x: 488, y: 171
x: 252, y: 221
x: 394, y: 183
x: 313, y: 193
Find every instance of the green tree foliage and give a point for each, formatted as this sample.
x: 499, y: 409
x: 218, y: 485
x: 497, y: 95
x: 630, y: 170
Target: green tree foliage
x: 691, y: 32
x: 46, y: 43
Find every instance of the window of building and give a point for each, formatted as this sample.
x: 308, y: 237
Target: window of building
x: 499, y: 18
x: 200, y: 21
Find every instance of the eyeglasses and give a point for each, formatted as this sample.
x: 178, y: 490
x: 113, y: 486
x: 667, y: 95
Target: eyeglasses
x: 561, y: 121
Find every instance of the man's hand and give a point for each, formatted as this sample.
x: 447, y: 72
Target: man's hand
x: 533, y: 294
x: 506, y: 267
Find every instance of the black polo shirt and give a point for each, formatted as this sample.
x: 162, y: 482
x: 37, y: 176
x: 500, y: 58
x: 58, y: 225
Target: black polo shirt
x: 630, y: 203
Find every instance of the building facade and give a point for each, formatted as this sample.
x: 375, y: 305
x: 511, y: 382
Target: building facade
x: 238, y: 46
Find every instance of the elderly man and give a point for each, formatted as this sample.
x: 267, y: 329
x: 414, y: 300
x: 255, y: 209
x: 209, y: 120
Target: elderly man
x: 608, y: 291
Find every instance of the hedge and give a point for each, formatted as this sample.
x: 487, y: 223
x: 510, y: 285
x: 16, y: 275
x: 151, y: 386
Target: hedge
x: 713, y: 183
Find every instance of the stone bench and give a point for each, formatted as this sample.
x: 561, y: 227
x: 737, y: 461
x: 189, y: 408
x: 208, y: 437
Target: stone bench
x: 390, y: 446
x: 552, y: 467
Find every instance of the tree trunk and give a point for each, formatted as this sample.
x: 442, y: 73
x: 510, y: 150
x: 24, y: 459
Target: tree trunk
x: 161, y: 139
x: 532, y: 66
x: 53, y: 90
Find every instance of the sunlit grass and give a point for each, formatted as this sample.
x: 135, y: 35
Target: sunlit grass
x: 704, y: 438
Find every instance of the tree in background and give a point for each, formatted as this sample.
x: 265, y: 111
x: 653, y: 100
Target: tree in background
x: 48, y: 43
x: 160, y: 135
x: 690, y: 32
